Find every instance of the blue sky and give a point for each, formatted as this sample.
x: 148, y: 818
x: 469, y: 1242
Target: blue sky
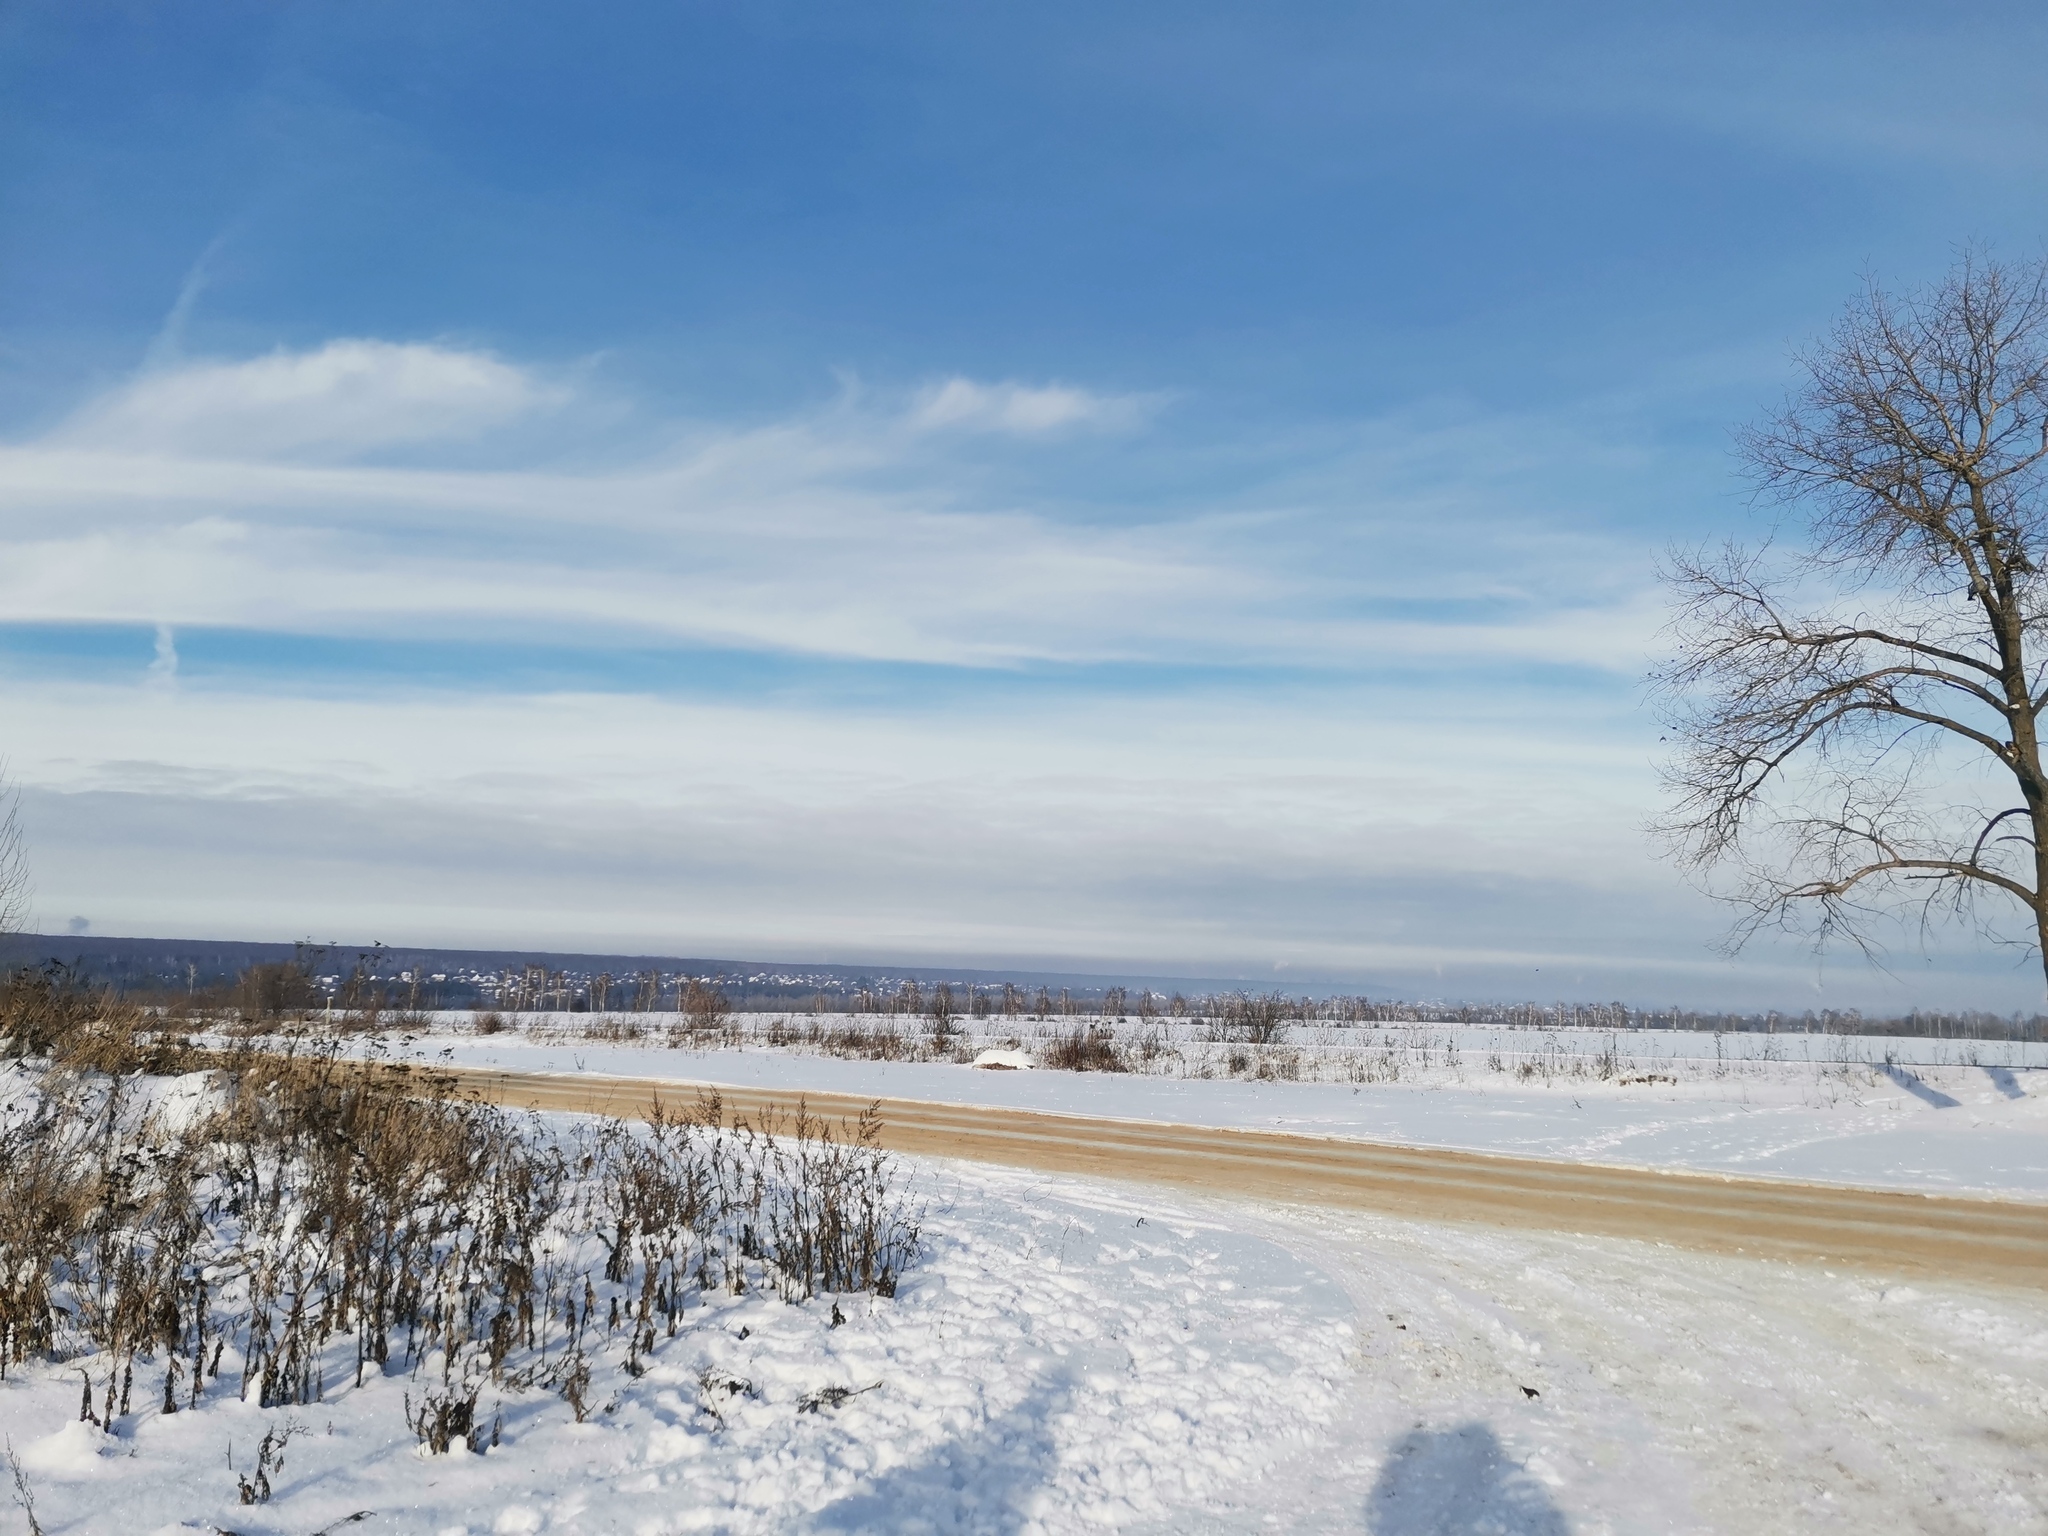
x: 1166, y: 487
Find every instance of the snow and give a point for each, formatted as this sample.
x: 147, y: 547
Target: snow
x: 1675, y: 1393
x: 1827, y: 1109
x: 1074, y: 1356
x: 1058, y: 1360
x: 1004, y: 1061
x: 178, y: 1103
x: 75, y: 1453
x: 170, y: 1104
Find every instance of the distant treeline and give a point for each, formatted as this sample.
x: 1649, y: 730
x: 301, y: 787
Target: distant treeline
x: 1961, y: 1025
x: 269, y: 980
x: 1262, y: 1013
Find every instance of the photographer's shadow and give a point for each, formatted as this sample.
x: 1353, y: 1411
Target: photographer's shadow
x: 985, y: 1484
x: 1459, y: 1480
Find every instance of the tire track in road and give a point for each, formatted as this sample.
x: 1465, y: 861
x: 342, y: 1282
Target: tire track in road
x: 1894, y: 1232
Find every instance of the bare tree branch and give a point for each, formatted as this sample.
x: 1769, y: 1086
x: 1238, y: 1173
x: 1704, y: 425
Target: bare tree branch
x: 14, y: 886
x: 1825, y: 698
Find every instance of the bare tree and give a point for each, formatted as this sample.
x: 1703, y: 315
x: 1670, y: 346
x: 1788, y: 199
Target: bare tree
x: 703, y: 1004
x: 14, y: 886
x: 1859, y: 716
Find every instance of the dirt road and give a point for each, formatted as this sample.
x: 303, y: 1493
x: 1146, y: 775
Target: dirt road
x: 1893, y: 1233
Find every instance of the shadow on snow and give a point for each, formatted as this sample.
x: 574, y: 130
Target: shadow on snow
x: 1921, y: 1091
x: 981, y: 1486
x: 1439, y: 1481
x: 2003, y: 1080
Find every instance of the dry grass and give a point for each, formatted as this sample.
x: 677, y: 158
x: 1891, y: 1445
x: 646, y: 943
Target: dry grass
x: 1085, y: 1050
x: 309, y: 1218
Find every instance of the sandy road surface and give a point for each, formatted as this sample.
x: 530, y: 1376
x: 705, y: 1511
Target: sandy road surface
x: 1895, y: 1232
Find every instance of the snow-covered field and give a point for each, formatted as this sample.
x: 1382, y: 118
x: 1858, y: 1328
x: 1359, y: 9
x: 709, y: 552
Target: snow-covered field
x: 1072, y: 1355
x: 1079, y: 1357
x: 1958, y: 1116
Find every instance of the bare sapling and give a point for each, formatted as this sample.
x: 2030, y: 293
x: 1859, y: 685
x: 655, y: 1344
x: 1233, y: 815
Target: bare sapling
x: 941, y: 1012
x: 24, y: 1494
x: 704, y: 1007
x: 14, y: 877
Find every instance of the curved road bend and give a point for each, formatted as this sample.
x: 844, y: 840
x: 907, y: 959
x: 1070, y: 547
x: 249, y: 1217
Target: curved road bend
x: 1932, y: 1236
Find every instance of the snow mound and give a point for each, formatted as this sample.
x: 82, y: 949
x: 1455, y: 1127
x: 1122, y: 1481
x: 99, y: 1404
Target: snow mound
x: 1005, y: 1061
x: 73, y: 1454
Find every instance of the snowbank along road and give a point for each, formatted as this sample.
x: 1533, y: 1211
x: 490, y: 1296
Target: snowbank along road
x: 1897, y: 1232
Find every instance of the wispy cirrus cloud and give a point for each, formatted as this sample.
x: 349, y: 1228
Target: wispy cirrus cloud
x: 345, y: 398
x: 1025, y: 410
x: 249, y: 495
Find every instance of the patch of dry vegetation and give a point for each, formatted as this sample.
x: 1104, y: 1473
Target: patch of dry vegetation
x: 278, y: 1213
x: 1094, y: 1049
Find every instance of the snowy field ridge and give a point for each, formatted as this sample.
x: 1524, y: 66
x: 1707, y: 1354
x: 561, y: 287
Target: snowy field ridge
x: 1955, y: 1116
x: 1317, y: 1051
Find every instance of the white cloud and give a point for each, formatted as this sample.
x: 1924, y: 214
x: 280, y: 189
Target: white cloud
x: 1399, y: 802
x: 1023, y: 410
x: 1440, y: 855
x: 163, y: 670
x: 346, y: 398
x: 1272, y: 830
x: 856, y: 532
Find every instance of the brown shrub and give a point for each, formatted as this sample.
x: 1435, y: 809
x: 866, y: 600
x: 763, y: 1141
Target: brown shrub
x: 1084, y: 1050
x: 320, y: 1198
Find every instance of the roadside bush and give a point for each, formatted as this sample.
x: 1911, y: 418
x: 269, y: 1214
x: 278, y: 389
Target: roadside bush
x: 1254, y: 1020
x: 704, y: 1007
x: 273, y: 991
x: 945, y: 1019
x: 879, y: 1042
x: 1084, y: 1050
